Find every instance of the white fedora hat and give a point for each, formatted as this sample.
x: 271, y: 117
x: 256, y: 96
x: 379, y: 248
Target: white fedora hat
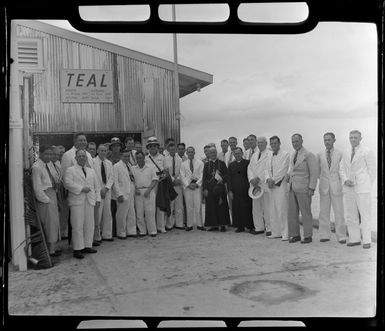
x: 255, y: 192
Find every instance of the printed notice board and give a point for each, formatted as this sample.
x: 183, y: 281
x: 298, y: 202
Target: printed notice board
x: 86, y: 86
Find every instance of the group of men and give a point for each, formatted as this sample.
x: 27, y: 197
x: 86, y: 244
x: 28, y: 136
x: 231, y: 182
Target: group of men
x: 116, y: 189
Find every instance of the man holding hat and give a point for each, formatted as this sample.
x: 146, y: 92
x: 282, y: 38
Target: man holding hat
x: 156, y: 160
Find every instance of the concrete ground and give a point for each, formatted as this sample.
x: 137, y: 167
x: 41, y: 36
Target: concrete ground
x: 203, y: 274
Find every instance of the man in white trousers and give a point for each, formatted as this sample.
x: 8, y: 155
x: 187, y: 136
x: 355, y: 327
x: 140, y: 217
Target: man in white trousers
x: 191, y: 172
x: 145, y: 183
x: 172, y: 164
x: 103, y: 216
x: 83, y: 195
x: 256, y: 174
x: 358, y: 172
x: 330, y: 190
x: 278, y: 166
x: 124, y: 189
x: 156, y: 160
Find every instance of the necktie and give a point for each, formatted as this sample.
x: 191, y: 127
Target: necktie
x: 251, y: 154
x: 329, y: 159
x: 259, y: 155
x: 84, y: 172
x: 132, y: 157
x: 295, y: 157
x: 191, y: 166
x: 353, y: 152
x: 103, y: 170
x: 50, y: 176
x: 173, y: 166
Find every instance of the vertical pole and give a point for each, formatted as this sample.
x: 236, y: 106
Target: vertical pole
x: 176, y: 76
x: 16, y: 193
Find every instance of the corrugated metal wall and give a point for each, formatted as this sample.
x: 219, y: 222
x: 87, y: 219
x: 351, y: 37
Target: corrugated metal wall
x: 143, y: 93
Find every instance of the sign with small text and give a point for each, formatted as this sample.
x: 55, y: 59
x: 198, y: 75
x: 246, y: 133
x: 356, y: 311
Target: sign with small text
x: 86, y: 86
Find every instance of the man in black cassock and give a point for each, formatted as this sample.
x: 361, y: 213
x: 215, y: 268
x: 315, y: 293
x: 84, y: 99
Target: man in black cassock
x: 214, y: 190
x: 238, y: 186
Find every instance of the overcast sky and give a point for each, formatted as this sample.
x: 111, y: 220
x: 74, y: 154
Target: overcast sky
x: 324, y: 80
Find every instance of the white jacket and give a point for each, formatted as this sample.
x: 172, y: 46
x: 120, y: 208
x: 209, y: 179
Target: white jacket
x: 123, y: 186
x: 362, y: 169
x: 185, y: 172
x: 75, y: 180
x: 257, y: 168
x: 68, y: 160
x: 329, y: 179
x: 97, y: 166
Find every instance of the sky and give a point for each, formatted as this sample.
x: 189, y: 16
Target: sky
x: 324, y: 80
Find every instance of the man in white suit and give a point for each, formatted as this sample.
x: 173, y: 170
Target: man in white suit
x: 172, y: 164
x: 83, y: 196
x: 124, y: 188
x: 278, y: 166
x: 191, y: 172
x: 358, y: 172
x: 252, y: 147
x: 330, y: 190
x: 103, y: 216
x: 256, y: 174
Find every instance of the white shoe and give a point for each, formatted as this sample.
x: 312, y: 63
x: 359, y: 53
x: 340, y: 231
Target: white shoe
x: 273, y: 237
x: 285, y: 239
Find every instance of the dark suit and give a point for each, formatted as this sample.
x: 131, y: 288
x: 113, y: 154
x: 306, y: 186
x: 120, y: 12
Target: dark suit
x: 217, y: 208
x: 238, y: 183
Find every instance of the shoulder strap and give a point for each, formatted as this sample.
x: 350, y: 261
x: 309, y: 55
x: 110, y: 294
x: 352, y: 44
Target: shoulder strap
x: 154, y: 162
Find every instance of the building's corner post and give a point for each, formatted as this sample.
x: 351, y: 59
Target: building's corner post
x: 16, y: 192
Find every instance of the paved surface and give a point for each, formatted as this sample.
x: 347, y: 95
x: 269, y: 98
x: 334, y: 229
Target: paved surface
x: 192, y: 274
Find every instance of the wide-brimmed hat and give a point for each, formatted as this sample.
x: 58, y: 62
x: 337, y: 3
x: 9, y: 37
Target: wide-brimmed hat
x: 152, y: 141
x: 115, y: 141
x: 255, y: 192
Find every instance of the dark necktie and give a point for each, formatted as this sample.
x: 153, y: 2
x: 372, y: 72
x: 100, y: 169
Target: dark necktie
x: 103, y: 170
x: 173, y: 166
x: 84, y: 172
x: 353, y: 152
x: 328, y: 158
x: 259, y: 155
x: 251, y: 154
x: 191, y: 166
x: 50, y: 176
x: 295, y: 157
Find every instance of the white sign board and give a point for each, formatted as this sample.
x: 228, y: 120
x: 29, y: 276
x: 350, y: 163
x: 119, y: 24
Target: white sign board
x: 86, y: 86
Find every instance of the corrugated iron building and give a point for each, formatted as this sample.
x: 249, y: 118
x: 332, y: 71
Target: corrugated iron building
x: 143, y: 87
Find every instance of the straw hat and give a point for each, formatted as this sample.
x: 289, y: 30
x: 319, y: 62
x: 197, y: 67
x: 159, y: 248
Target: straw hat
x: 255, y: 192
x: 115, y: 141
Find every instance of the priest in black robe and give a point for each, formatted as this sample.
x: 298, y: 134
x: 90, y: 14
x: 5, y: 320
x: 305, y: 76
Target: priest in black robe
x: 215, y: 193
x: 238, y: 186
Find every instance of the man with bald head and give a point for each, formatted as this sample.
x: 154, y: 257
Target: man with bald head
x: 256, y: 173
x: 302, y: 177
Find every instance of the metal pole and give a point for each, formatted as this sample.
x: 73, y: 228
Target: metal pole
x: 176, y: 76
x: 16, y: 194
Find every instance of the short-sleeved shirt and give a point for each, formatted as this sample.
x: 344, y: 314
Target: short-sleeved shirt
x: 144, y: 176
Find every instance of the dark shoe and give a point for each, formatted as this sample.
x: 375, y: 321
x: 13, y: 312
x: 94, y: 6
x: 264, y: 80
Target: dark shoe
x: 131, y: 236
x: 142, y: 235
x: 168, y: 229
x: 342, y: 241
x: 78, y: 254
x: 268, y: 233
x: 64, y: 238
x: 306, y: 240
x: 108, y: 239
x: 180, y: 227
x: 201, y: 228
x: 323, y: 240
x: 95, y: 243
x: 294, y: 239
x: 215, y: 228
x: 153, y: 235
x: 223, y: 229
x: 89, y: 250
x: 256, y: 232
x: 366, y: 246
x: 239, y: 230
x: 122, y: 238
x: 58, y: 251
x: 189, y: 228
x: 54, y: 254
x: 353, y: 244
